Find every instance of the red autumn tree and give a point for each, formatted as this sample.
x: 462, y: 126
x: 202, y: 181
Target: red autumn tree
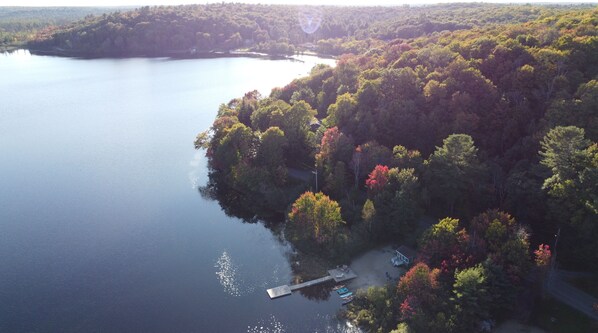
x: 377, y: 179
x: 418, y: 292
x: 543, y: 255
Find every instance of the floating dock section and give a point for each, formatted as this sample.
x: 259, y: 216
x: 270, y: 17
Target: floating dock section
x: 279, y: 291
x: 337, y: 275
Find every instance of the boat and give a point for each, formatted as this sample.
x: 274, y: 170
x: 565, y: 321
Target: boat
x: 337, y: 287
x: 348, y: 300
x: 343, y: 290
x: 347, y: 295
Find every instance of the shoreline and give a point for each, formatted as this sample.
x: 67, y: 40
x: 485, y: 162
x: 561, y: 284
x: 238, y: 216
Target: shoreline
x: 174, y: 54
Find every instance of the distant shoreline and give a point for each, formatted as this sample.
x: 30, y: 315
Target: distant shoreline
x: 174, y: 54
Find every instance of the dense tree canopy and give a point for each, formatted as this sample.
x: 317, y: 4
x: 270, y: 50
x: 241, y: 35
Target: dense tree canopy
x: 463, y: 126
x: 463, y: 111
x: 465, y: 276
x: 573, y: 186
x: 20, y: 24
x: 273, y: 29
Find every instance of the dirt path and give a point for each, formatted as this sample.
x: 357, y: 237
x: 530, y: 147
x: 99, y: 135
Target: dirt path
x: 372, y: 268
x: 511, y: 326
x: 563, y: 291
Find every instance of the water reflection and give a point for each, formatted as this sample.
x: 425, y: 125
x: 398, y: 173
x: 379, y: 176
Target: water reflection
x: 120, y: 243
x: 227, y: 275
x: 305, y: 266
x: 327, y: 324
x: 248, y: 208
x: 196, y: 170
x: 318, y: 293
x: 337, y: 325
x: 271, y: 325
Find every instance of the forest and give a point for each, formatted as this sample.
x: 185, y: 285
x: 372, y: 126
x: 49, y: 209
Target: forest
x: 481, y: 117
x: 20, y: 24
x: 273, y: 29
x: 492, y: 130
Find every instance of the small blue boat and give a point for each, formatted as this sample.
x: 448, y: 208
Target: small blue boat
x: 347, y: 295
x: 342, y: 291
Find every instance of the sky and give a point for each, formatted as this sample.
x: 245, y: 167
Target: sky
x: 294, y: 2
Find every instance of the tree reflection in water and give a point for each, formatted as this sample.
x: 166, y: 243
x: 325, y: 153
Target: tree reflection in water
x: 250, y: 208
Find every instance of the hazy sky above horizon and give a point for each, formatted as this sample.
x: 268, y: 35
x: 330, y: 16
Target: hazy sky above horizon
x: 294, y: 2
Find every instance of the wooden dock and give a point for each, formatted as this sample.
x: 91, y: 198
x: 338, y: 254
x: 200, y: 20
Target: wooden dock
x: 279, y: 291
x: 341, y: 275
x: 310, y: 283
x: 337, y: 275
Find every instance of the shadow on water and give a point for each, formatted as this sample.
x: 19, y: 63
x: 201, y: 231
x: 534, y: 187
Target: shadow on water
x: 250, y: 208
x: 319, y: 292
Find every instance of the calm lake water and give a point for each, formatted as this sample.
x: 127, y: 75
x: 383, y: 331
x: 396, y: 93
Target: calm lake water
x: 101, y: 224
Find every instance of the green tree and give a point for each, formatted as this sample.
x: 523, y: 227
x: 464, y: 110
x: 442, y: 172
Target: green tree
x: 404, y: 158
x: 563, y: 151
x: 454, y: 172
x: 295, y: 124
x: 397, y: 203
x: 247, y: 105
x: 573, y: 162
x: 237, y: 144
x: 502, y: 291
x: 496, y: 234
x: 315, y: 217
x: 444, y: 243
x: 335, y: 146
x: 368, y: 213
x: 573, y: 186
x: 304, y: 94
x: 271, y: 150
x: 580, y: 111
x: 269, y: 113
x: 471, y: 298
x: 375, y: 309
x: 336, y: 182
x: 270, y: 154
x: 402, y: 328
x: 342, y: 113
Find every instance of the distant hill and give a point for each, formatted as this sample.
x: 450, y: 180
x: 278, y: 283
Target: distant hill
x: 19, y: 24
x: 274, y: 29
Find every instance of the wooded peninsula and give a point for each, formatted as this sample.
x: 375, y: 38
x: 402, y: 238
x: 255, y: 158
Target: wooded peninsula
x: 490, y: 129
x: 482, y: 117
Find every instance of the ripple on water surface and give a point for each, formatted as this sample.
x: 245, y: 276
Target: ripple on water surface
x: 271, y: 325
x: 227, y: 273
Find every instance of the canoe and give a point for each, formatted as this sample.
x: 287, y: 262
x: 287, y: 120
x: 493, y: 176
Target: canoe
x: 348, y: 300
x: 338, y: 287
x: 347, y: 295
x: 342, y: 291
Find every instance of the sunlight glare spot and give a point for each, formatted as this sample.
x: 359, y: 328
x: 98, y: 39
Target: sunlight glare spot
x: 310, y: 19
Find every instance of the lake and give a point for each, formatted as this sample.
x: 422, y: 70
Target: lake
x: 102, y: 227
